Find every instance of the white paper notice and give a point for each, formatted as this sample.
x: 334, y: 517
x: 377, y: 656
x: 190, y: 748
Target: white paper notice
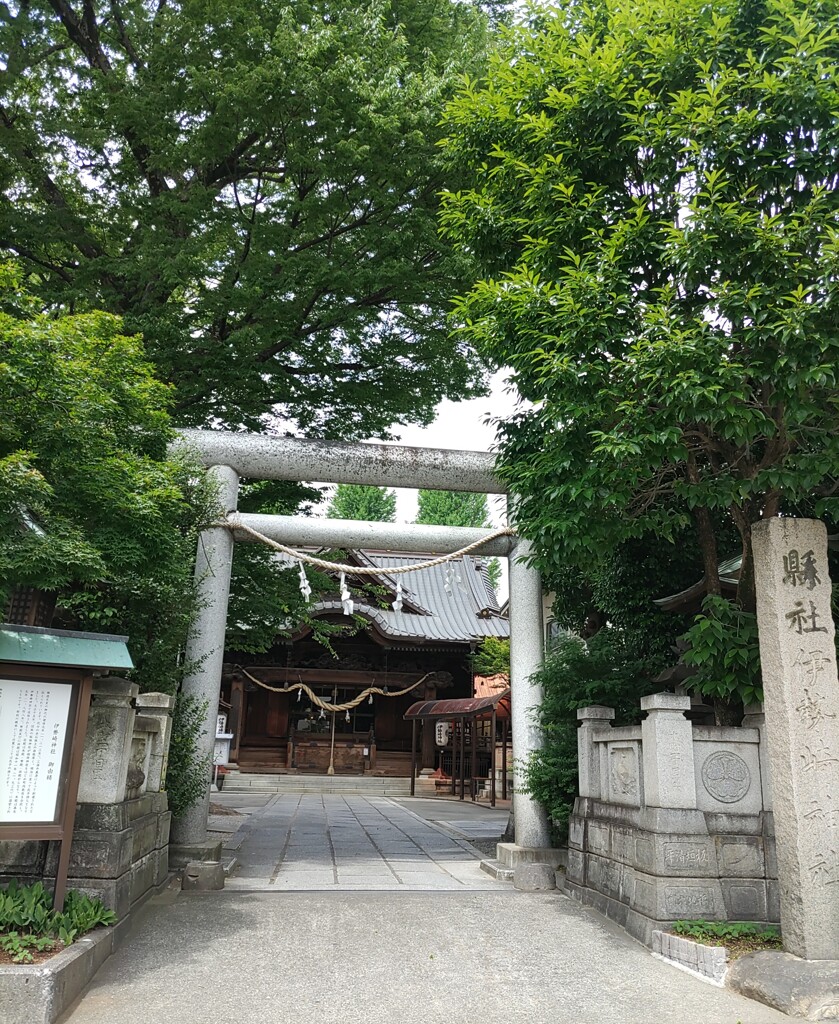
x: 33, y: 730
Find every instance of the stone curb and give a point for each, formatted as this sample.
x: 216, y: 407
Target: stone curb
x: 41, y: 993
x: 708, y: 962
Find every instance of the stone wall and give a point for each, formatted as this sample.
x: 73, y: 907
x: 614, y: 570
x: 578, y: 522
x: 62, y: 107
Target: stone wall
x: 674, y: 820
x: 120, y: 847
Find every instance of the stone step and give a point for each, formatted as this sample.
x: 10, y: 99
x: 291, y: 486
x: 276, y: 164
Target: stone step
x: 495, y: 869
x: 244, y: 782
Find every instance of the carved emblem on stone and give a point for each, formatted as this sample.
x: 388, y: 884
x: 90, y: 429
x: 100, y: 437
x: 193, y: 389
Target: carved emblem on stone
x: 624, y: 772
x: 726, y: 776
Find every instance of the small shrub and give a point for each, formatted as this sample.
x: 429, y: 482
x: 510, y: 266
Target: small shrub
x: 188, y: 774
x: 29, y: 922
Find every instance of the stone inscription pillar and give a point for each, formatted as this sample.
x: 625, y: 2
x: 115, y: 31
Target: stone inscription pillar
x: 107, y: 743
x: 205, y: 644
x: 801, y: 703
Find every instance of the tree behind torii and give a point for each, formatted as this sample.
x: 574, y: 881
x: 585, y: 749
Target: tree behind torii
x: 657, y: 215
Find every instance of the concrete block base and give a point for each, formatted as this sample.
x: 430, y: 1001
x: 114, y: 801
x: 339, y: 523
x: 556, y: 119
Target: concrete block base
x: 495, y: 869
x: 534, y: 877
x: 646, y: 868
x: 39, y: 994
x: 510, y: 855
x: 180, y: 854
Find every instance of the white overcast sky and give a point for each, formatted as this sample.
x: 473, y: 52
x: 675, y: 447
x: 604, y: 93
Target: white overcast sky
x: 459, y: 425
x: 464, y: 426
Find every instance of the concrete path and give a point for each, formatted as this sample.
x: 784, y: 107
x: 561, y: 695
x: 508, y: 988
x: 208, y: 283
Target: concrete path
x: 331, y: 842
x: 351, y: 910
x: 393, y: 958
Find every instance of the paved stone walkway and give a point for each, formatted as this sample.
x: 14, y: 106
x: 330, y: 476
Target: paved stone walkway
x: 331, y: 842
x: 354, y: 909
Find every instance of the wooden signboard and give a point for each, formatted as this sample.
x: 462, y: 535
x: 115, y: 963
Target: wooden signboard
x: 43, y: 719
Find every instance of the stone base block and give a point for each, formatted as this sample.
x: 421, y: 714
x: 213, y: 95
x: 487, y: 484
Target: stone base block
x: 95, y: 854
x: 22, y: 856
x: 746, y: 899
x: 116, y: 817
x: 509, y: 855
x: 807, y: 989
x: 531, y: 877
x: 115, y: 893
x: 143, y: 875
x: 180, y: 854
x: 203, y: 876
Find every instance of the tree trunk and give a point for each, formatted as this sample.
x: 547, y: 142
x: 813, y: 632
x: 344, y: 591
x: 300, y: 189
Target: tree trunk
x: 746, y: 595
x: 707, y: 537
x: 708, y: 547
x: 728, y: 711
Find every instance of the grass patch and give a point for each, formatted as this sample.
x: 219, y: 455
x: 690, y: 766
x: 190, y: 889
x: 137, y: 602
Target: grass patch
x: 738, y: 937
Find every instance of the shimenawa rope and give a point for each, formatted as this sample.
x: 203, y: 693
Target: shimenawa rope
x: 318, y: 702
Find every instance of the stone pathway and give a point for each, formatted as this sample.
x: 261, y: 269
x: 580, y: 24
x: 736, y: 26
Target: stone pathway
x: 359, y: 909
x: 335, y: 843
x: 500, y: 957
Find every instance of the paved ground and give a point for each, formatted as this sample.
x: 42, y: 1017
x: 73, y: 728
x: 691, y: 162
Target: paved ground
x: 347, y: 909
x: 308, y: 842
x: 393, y: 958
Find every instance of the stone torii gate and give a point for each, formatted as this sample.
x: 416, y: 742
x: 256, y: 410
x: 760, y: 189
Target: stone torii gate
x: 228, y: 456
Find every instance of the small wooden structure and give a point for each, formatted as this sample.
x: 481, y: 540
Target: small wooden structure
x: 465, y: 737
x: 45, y: 685
x: 431, y: 637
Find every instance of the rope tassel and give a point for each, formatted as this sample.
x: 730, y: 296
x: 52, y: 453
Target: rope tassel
x: 346, y: 596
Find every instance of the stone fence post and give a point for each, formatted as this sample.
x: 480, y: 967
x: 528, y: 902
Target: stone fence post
x: 592, y: 718
x: 159, y: 706
x: 107, y: 747
x: 667, y: 751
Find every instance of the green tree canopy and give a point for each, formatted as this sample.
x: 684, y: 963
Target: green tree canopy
x: 357, y: 501
x: 452, y: 508
x: 251, y: 186
x: 654, y: 205
x: 457, y: 508
x: 90, y: 505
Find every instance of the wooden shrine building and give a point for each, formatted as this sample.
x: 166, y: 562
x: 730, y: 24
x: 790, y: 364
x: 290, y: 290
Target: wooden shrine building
x: 444, y: 617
